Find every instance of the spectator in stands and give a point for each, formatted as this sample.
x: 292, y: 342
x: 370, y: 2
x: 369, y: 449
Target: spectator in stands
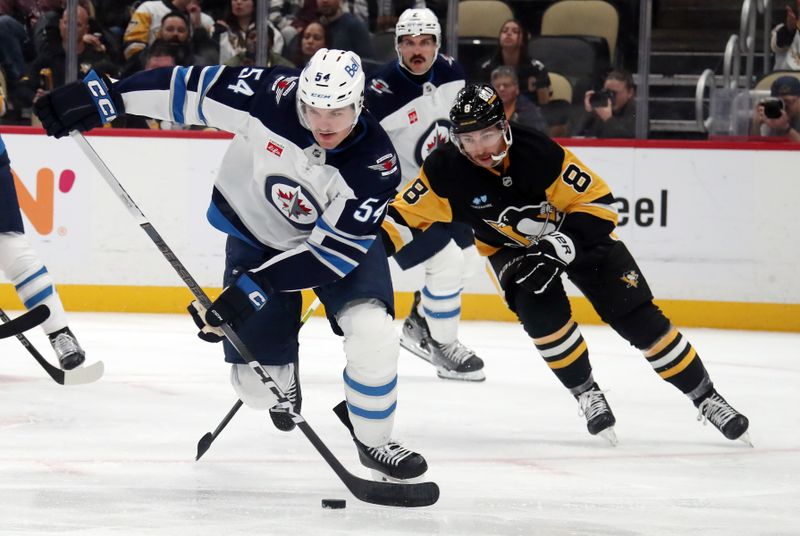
x: 785, y: 42
x: 345, y: 31
x: 145, y: 23
x: 17, y: 19
x: 512, y: 50
x: 230, y: 33
x: 518, y: 108
x: 47, y: 70
x: 194, y: 46
x: 313, y: 38
x: 248, y: 57
x: 610, y: 112
x: 292, y: 16
x: 783, y: 119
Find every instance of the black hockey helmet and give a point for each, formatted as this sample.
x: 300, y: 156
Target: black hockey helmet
x: 477, y: 106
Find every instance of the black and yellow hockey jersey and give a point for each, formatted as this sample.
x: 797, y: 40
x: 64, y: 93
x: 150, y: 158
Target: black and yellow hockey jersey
x: 538, y: 187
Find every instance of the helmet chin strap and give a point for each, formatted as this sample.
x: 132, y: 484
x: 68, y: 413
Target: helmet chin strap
x: 506, y: 138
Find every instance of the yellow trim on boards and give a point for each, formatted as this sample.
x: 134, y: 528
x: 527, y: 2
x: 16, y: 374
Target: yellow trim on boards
x: 687, y: 313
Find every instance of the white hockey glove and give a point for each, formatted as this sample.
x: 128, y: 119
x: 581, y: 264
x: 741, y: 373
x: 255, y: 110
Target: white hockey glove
x: 207, y: 333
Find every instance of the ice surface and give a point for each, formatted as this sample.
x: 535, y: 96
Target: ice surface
x: 511, y: 455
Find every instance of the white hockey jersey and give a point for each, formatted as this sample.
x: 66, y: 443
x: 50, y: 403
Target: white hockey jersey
x: 277, y: 189
x: 415, y: 114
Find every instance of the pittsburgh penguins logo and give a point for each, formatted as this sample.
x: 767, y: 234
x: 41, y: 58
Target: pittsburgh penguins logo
x: 437, y: 134
x: 630, y: 278
x: 293, y: 201
x: 524, y: 224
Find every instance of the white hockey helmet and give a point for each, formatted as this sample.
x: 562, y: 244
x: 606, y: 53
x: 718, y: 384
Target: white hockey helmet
x: 416, y: 22
x: 331, y: 79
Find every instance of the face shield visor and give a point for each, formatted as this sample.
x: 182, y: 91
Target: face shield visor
x: 326, y: 122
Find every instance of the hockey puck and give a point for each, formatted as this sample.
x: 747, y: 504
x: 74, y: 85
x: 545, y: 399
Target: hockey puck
x: 334, y: 504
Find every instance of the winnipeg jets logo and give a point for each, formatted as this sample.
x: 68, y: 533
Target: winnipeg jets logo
x: 292, y: 201
x: 387, y: 164
x: 379, y: 86
x: 438, y: 134
x: 524, y: 224
x: 282, y: 86
x: 630, y: 278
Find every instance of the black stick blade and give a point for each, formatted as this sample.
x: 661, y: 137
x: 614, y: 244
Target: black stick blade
x: 392, y: 494
x: 204, y: 444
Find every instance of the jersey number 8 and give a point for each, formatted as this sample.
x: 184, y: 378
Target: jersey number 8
x: 577, y: 178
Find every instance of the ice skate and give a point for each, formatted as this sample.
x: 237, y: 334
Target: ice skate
x: 289, y: 382
x: 69, y: 352
x: 715, y: 409
x: 391, y: 462
x: 599, y: 418
x: 453, y: 361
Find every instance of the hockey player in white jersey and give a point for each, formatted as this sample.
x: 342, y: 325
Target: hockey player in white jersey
x: 301, y: 193
x: 33, y: 283
x: 412, y: 97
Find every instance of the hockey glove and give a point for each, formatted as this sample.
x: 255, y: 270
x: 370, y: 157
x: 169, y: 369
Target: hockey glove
x: 238, y: 301
x: 207, y: 333
x: 79, y: 106
x: 544, y: 261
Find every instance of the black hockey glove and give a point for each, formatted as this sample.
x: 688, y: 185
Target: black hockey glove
x: 236, y: 303
x: 79, y: 106
x: 544, y: 261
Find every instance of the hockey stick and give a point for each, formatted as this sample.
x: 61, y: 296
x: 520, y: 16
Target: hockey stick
x: 383, y: 493
x: 76, y: 376
x: 25, y: 321
x: 205, y: 442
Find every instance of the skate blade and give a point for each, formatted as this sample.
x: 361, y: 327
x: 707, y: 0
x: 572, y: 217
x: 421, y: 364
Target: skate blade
x: 745, y: 438
x: 381, y: 477
x: 416, y: 350
x: 472, y: 376
x: 609, y: 435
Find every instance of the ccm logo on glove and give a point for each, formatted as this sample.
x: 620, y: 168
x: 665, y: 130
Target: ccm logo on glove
x: 102, y: 100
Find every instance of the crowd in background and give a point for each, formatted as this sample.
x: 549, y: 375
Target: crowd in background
x: 118, y: 38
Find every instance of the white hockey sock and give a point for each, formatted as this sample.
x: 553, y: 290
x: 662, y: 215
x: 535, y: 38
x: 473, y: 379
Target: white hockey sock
x: 31, y: 279
x: 372, y: 346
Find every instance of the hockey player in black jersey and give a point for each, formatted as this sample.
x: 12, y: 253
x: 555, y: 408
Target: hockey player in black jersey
x: 538, y: 212
x: 300, y: 193
x: 411, y: 97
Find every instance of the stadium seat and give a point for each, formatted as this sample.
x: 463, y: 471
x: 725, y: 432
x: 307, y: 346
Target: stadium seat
x: 583, y: 60
x: 561, y: 87
x: 384, y: 44
x: 482, y: 18
x: 583, y: 17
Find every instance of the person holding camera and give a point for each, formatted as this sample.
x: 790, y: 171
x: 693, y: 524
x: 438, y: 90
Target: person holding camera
x: 610, y: 112
x: 779, y: 115
x: 785, y: 41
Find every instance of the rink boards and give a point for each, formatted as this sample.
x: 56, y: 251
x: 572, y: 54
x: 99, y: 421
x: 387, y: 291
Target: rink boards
x: 712, y: 225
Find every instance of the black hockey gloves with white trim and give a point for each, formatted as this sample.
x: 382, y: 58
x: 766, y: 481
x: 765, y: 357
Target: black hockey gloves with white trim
x: 236, y: 303
x: 79, y: 106
x: 544, y: 261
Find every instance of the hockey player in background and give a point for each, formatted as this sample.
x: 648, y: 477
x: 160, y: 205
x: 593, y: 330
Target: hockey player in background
x: 24, y: 268
x: 538, y: 212
x: 301, y: 193
x: 412, y: 97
